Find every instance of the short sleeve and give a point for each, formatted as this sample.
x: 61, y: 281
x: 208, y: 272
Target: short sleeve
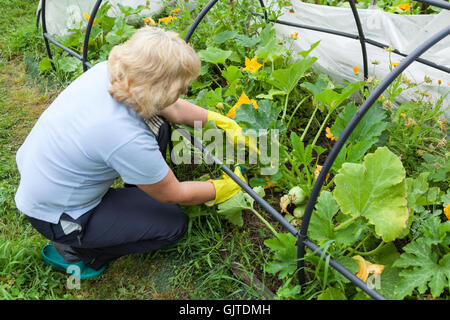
x: 139, y: 161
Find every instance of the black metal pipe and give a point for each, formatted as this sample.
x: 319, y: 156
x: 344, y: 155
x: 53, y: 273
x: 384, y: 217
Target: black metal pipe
x: 88, y: 33
x: 44, y: 32
x: 304, y: 26
x: 261, y: 2
x: 59, y: 45
x: 361, y: 38
x: 436, y: 3
x: 38, y: 16
x: 349, y: 129
x: 345, y: 272
x: 198, y: 19
x: 421, y: 60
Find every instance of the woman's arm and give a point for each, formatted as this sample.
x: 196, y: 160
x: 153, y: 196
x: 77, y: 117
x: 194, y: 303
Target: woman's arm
x: 170, y: 190
x: 184, y: 112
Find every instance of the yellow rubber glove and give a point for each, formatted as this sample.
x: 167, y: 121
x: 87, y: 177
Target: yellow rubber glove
x: 225, y: 187
x: 233, y: 131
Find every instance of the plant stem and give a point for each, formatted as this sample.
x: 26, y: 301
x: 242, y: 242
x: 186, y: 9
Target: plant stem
x: 345, y: 223
x: 295, y: 110
x: 321, y: 127
x: 265, y: 222
x: 369, y: 253
x: 359, y: 245
x: 285, y: 107
x: 309, y: 122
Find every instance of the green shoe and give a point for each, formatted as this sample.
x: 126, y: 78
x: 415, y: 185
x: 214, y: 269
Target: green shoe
x: 54, y: 259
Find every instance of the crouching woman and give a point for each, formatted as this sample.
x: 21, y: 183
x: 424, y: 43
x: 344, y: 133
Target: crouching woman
x: 107, y: 124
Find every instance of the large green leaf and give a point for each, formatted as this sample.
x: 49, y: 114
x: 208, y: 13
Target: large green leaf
x: 333, y: 99
x: 307, y: 52
x: 376, y: 190
x: 363, y: 137
x: 318, y: 86
x: 321, y: 227
x: 246, y: 42
x: 232, y: 73
x: 332, y: 294
x: 68, y: 64
x: 214, y: 55
x: 285, y: 255
x: 269, y: 47
x: 120, y: 32
x: 321, y: 224
x: 233, y: 207
x: 287, y: 79
x: 423, y: 269
x: 301, y: 154
x: 45, y: 65
x: 263, y: 118
x: 224, y: 36
x: 371, y: 125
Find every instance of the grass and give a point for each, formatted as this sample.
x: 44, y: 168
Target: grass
x: 198, y: 267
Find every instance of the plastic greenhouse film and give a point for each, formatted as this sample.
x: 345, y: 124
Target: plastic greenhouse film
x: 337, y: 55
x: 61, y: 15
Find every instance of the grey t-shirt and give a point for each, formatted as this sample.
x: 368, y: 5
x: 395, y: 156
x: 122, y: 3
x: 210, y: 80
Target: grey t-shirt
x: 80, y: 144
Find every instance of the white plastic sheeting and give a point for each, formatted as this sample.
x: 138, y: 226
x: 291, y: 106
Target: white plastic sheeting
x: 62, y: 15
x: 337, y: 55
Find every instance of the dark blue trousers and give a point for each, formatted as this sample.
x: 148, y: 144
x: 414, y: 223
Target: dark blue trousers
x: 126, y: 221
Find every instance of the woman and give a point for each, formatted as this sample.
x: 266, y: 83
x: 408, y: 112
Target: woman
x: 94, y: 132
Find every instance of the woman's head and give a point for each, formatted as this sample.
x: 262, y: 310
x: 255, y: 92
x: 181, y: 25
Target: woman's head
x: 150, y: 70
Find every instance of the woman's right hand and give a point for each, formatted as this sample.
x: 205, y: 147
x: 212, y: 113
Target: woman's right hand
x: 225, y: 187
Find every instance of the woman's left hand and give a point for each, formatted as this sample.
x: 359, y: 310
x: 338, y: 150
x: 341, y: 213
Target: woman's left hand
x: 233, y: 131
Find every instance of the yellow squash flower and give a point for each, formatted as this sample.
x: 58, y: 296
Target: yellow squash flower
x: 394, y: 64
x: 87, y: 17
x: 442, y: 125
x: 329, y: 135
x: 269, y: 184
x: 402, y: 115
x: 166, y: 20
x: 294, y: 36
x: 243, y: 99
x: 366, y: 267
x: 356, y: 69
x: 404, y: 6
x: 252, y: 65
x: 447, y: 211
x: 149, y: 21
x: 176, y: 10
x: 410, y: 122
x: 317, y: 172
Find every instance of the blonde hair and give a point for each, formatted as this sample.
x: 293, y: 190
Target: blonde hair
x: 150, y: 70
